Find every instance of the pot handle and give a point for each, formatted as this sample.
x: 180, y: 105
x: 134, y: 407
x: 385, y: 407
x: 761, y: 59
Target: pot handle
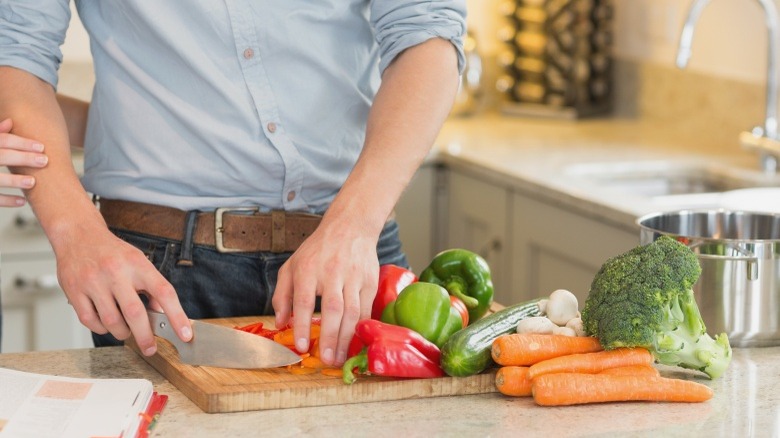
x: 744, y: 256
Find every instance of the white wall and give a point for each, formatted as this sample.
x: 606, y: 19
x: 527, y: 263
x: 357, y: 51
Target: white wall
x: 76, y: 47
x: 730, y: 40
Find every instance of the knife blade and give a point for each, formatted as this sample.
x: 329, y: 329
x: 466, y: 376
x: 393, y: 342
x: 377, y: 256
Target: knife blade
x: 216, y: 346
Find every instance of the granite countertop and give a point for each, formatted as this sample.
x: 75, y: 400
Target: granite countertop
x: 555, y: 160
x: 746, y: 403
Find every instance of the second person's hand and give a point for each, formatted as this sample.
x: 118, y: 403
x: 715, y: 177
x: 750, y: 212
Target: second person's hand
x: 19, y: 152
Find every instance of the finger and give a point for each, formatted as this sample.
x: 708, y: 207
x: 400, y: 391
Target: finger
x: 87, y: 314
x: 332, y: 314
x: 15, y: 157
x: 15, y: 142
x: 6, y: 125
x: 16, y: 181
x: 164, y: 296
x: 135, y: 317
x: 350, y: 317
x: 304, y: 297
x: 282, y: 297
x: 368, y: 293
x: 111, y: 317
x: 11, y: 200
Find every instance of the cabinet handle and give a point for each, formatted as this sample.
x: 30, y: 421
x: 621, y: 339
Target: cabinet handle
x: 26, y: 223
x: 493, y: 246
x: 46, y: 283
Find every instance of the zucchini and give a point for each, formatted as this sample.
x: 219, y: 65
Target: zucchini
x: 467, y: 351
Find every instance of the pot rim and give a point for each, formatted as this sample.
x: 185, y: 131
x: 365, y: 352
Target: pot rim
x: 640, y: 221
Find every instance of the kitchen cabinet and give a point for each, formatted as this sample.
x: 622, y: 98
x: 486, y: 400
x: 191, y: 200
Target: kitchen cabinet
x: 532, y: 244
x: 477, y: 219
x: 554, y: 247
x: 417, y: 215
x: 36, y: 314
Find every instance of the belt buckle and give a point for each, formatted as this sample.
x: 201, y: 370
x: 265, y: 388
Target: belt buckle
x: 219, y: 229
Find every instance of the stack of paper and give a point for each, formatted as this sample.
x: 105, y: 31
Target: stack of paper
x: 41, y: 406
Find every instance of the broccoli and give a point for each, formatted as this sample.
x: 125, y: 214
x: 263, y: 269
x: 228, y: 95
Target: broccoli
x: 643, y: 298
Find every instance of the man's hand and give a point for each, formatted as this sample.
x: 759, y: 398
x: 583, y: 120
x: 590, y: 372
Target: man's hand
x: 339, y: 263
x: 339, y: 260
x: 103, y: 276
x: 21, y: 152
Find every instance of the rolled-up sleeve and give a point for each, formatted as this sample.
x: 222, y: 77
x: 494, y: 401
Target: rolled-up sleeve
x: 31, y: 33
x: 402, y: 24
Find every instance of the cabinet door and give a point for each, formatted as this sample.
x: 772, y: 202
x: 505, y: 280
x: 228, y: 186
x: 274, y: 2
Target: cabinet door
x: 415, y: 213
x: 36, y: 314
x: 477, y: 220
x: 556, y: 248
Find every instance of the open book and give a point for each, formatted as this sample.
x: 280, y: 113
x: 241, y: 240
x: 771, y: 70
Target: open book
x: 40, y: 406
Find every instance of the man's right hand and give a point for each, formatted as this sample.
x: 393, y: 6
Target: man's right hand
x: 102, y: 276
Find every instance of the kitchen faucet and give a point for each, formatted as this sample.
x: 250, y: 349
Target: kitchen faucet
x: 763, y: 139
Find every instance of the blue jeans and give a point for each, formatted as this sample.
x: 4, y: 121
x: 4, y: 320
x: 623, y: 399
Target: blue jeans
x: 222, y: 285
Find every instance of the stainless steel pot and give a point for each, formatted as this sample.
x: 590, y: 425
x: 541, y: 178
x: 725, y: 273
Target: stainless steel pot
x: 739, y: 289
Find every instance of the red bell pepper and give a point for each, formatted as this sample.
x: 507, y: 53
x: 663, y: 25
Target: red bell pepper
x: 392, y: 279
x: 460, y: 306
x: 392, y: 351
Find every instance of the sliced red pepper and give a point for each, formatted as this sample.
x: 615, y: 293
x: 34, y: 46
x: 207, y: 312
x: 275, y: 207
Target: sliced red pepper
x: 258, y: 329
x: 392, y: 351
x: 392, y: 280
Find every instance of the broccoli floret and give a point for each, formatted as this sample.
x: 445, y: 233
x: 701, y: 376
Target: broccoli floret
x: 644, y: 298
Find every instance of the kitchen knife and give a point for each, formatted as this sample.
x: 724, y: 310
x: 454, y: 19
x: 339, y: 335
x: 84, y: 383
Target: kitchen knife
x: 216, y: 346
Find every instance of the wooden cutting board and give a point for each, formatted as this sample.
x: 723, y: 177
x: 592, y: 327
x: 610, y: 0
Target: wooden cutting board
x: 230, y: 390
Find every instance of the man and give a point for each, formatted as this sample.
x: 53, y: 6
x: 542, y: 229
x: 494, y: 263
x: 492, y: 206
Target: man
x: 202, y: 108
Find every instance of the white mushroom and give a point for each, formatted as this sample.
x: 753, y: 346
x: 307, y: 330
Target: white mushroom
x: 576, y: 325
x: 565, y: 331
x: 543, y: 306
x: 561, y: 307
x: 536, y: 324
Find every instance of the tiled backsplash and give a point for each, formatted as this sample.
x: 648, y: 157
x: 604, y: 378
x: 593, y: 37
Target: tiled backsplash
x: 702, y: 108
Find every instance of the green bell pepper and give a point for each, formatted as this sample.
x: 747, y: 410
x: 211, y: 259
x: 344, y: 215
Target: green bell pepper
x: 426, y: 309
x: 465, y: 275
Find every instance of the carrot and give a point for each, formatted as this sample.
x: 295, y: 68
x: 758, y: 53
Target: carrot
x: 514, y: 381
x: 523, y: 349
x: 592, y: 363
x: 578, y: 388
x: 332, y: 372
x: 285, y: 337
x: 633, y: 370
x: 313, y: 362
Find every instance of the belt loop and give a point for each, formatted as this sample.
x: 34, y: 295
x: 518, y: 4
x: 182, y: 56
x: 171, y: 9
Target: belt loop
x: 185, y: 258
x: 278, y: 231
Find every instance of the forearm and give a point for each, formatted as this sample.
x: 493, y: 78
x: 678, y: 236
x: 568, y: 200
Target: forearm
x: 58, y: 199
x: 416, y: 95
x: 75, y: 112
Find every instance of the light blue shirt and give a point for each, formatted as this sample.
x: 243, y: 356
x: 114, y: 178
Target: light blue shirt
x: 201, y: 104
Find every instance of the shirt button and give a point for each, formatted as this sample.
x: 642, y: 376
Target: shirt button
x: 248, y: 53
x: 271, y: 127
x: 291, y: 195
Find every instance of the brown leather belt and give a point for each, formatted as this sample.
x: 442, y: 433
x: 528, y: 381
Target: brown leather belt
x: 228, y: 229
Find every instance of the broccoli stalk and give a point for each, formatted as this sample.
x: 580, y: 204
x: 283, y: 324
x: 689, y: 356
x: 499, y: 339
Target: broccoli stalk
x: 644, y: 298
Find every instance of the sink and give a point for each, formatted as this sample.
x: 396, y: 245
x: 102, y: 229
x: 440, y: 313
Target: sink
x: 669, y: 178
